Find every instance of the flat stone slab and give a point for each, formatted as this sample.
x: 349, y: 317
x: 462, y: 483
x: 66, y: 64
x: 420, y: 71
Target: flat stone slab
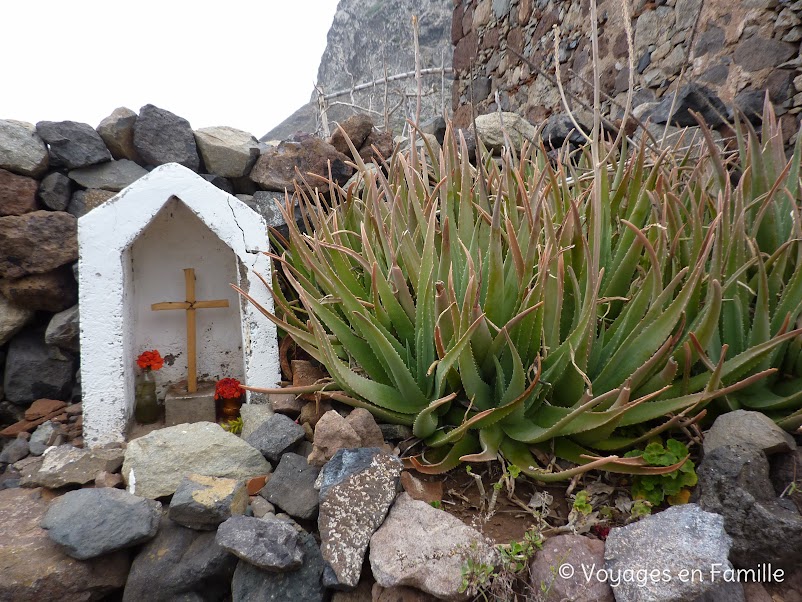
x: 181, y: 407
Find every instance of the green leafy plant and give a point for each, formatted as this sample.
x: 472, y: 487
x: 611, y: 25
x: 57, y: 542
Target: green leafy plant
x: 233, y: 426
x: 674, y: 486
x: 580, y: 310
x: 582, y: 503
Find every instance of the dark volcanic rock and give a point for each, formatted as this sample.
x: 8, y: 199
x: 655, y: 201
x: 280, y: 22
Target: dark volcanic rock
x: 275, y: 436
x: 93, y: 522
x: 691, y: 97
x: 31, y: 373
x: 279, y: 166
x: 251, y: 583
x: 178, y: 562
x: 272, y: 545
x: 53, y: 291
x: 163, y: 137
x: 73, y: 144
x: 202, y: 502
x: 55, y: 191
x: 113, y: 175
x: 37, y: 242
x: 356, y: 128
x: 292, y: 487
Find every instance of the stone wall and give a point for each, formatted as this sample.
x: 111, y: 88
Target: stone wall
x: 54, y: 172
x: 736, y: 49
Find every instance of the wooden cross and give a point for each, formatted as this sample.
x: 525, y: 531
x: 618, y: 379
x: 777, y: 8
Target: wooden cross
x: 190, y: 305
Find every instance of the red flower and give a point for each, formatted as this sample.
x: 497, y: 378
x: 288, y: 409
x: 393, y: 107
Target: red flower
x: 150, y: 360
x: 600, y: 531
x: 227, y: 388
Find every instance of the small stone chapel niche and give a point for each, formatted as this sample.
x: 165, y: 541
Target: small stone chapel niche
x: 132, y: 253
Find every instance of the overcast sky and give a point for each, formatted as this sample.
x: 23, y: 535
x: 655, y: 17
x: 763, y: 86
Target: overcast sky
x: 243, y: 63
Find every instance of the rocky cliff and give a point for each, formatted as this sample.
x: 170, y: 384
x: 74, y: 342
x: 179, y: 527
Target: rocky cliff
x: 366, y: 38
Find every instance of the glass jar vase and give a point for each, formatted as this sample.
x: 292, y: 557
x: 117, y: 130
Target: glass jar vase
x: 228, y: 408
x: 146, y: 407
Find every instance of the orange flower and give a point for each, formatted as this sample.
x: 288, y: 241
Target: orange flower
x: 227, y: 388
x: 150, y: 360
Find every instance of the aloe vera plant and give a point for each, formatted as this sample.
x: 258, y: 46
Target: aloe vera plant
x: 534, y: 311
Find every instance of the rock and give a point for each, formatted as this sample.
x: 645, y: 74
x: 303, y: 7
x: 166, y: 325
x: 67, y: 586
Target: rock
x: 17, y: 194
x: 275, y: 436
x: 292, y: 487
x: 22, y: 151
x: 31, y: 373
x: 756, y: 53
x: 12, y: 319
x: 266, y: 204
x: 363, y: 423
x: 114, y: 175
x: 356, y: 128
x: 73, y: 144
x: 177, y: 563
x: 218, y: 181
x: 378, y: 147
x: 425, y: 548
x: 276, y: 168
x: 398, y: 594
x: 34, y: 568
x: 361, y: 594
x: 734, y: 482
x: 55, y: 191
x: 576, y: 551
x: 679, y: 538
x: 117, y: 131
x: 288, y: 404
x: 43, y: 437
x: 253, y: 415
x: 749, y: 429
x: 560, y: 128
x: 163, y: 137
x: 357, y: 488
x: 63, y: 330
x: 52, y: 291
x: 204, y: 502
x: 691, y: 97
x: 425, y: 491
x: 42, y: 408
x: 68, y: 465
x: 312, y: 412
x: 332, y: 433
x: 227, y: 151
x: 37, y: 242
x: 436, y: 126
x: 14, y: 451
x: 83, y: 201
x: 395, y: 432
x: 491, y: 129
x: 108, y: 479
x: 254, y: 485
x: 26, y: 468
x: 92, y: 522
x: 750, y: 103
x: 272, y: 545
x: 261, y: 507
x: 305, y: 373
x: 251, y: 583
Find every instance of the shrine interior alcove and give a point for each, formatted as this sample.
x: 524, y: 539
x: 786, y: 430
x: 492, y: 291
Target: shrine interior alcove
x: 174, y: 240
x: 134, y: 250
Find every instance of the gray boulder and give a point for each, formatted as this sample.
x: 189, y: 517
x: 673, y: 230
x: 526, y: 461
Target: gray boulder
x: 67, y: 465
x: 55, y: 191
x: 117, y: 131
x: 220, y: 182
x: 691, y: 97
x: 681, y: 538
x: 251, y: 583
x: 83, y: 201
x: 64, y: 329
x: 43, y: 437
x: 357, y: 488
x: 253, y: 415
x: 292, y: 487
x: 202, y: 502
x: 15, y: 451
x: 272, y: 545
x: 73, y: 144
x: 92, y: 522
x: 35, y: 568
x: 12, y: 319
x: 32, y: 373
x: 227, y: 151
x: 178, y: 563
x: 748, y: 429
x: 163, y: 137
x: 155, y: 464
x: 21, y: 149
x: 734, y: 482
x: 425, y: 548
x: 275, y: 436
x: 113, y: 175
x: 492, y: 127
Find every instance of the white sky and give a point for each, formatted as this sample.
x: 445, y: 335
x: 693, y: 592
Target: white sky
x: 244, y: 63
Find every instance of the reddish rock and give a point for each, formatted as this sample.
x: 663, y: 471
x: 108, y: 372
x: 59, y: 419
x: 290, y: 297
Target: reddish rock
x: 465, y: 52
x: 357, y: 128
x: 117, y: 131
x: 312, y: 412
x: 75, y: 408
x: 17, y: 193
x: 305, y: 373
x: 108, y: 479
x: 362, y: 422
x: 332, y: 433
x: 378, y: 147
x: 24, y: 426
x: 53, y: 291
x: 37, y: 242
x: 425, y: 491
x: 279, y: 166
x: 44, y: 407
x: 33, y: 568
x: 456, y: 23
x: 255, y: 484
x: 577, y: 551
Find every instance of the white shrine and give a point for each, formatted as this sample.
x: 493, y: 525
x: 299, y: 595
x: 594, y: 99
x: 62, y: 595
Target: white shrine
x: 133, y: 253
